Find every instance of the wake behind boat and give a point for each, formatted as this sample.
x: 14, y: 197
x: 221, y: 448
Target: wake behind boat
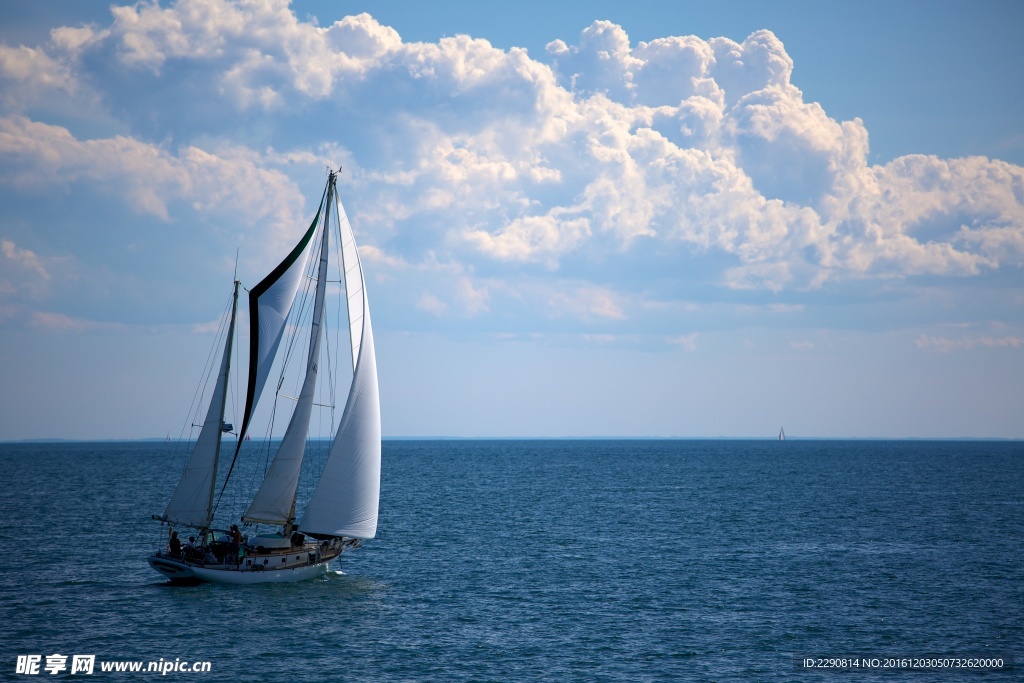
x: 342, y: 510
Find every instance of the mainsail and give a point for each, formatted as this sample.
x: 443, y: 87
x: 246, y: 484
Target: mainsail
x: 269, y: 304
x: 274, y: 502
x: 345, y: 500
x: 191, y: 503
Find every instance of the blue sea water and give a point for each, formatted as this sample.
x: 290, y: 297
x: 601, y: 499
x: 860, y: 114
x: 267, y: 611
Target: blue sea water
x: 548, y: 561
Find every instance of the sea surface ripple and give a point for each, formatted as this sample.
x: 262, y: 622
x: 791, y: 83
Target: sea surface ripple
x: 561, y: 560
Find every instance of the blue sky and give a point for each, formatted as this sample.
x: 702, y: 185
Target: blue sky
x: 577, y: 219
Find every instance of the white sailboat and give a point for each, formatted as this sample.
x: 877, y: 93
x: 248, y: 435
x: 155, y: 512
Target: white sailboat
x: 342, y: 510
x: 782, y: 434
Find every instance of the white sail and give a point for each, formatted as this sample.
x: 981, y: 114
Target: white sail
x: 274, y: 502
x: 343, y: 506
x: 191, y: 503
x: 270, y: 302
x: 345, y: 501
x: 354, y: 284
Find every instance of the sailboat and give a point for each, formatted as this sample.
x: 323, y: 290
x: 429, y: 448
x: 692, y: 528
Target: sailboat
x: 782, y: 434
x: 342, y: 510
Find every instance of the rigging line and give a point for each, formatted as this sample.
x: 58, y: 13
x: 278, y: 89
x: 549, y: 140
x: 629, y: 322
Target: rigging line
x: 264, y: 446
x: 249, y: 407
x: 182, y: 445
x: 298, y: 324
x: 264, y: 456
x: 322, y: 324
x: 297, y: 317
x: 305, y: 306
x: 304, y: 332
x: 238, y: 359
x: 197, y: 402
x: 317, y: 404
x: 210, y: 508
x: 312, y: 292
x: 340, y: 315
x: 330, y: 380
x: 204, y: 379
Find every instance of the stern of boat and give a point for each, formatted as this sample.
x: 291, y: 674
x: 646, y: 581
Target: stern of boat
x: 174, y: 570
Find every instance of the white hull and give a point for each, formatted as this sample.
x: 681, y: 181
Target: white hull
x: 276, y: 566
x: 180, y: 572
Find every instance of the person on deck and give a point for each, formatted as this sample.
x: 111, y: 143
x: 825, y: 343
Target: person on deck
x: 174, y: 544
x: 236, y: 544
x: 191, y: 549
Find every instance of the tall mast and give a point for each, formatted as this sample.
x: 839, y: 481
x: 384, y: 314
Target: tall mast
x: 274, y: 502
x: 192, y: 501
x: 223, y: 396
x: 346, y: 498
x: 270, y: 303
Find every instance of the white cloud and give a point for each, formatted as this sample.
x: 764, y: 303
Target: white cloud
x: 25, y: 258
x: 687, y: 341
x: 26, y: 72
x: 24, y: 275
x: 58, y: 322
x: 486, y: 172
x: 946, y: 345
x: 148, y: 177
x: 459, y: 296
x: 585, y: 302
x: 532, y: 238
x: 431, y: 304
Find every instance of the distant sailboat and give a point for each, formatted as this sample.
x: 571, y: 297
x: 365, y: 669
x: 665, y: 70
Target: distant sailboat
x: 782, y: 434
x: 342, y: 510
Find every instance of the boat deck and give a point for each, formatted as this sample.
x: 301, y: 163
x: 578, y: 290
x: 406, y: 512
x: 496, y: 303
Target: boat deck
x: 191, y: 565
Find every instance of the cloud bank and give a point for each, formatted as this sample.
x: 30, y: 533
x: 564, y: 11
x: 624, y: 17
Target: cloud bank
x: 581, y: 184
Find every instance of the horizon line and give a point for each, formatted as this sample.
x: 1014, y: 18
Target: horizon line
x: 546, y: 438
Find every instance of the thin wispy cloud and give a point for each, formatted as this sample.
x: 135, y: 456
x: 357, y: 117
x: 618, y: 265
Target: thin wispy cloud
x: 946, y: 345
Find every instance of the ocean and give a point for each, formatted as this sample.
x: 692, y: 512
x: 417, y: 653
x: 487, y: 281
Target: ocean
x: 549, y: 560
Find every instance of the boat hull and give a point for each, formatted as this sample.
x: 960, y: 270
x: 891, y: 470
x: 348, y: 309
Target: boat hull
x: 181, y: 572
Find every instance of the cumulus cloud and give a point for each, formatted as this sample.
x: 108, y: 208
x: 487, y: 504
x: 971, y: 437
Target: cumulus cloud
x: 27, y: 72
x: 478, y: 166
x: 148, y: 177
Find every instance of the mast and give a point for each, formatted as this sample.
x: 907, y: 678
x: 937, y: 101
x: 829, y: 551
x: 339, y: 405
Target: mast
x: 270, y: 302
x: 274, y: 502
x: 191, y: 503
x: 345, y: 500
